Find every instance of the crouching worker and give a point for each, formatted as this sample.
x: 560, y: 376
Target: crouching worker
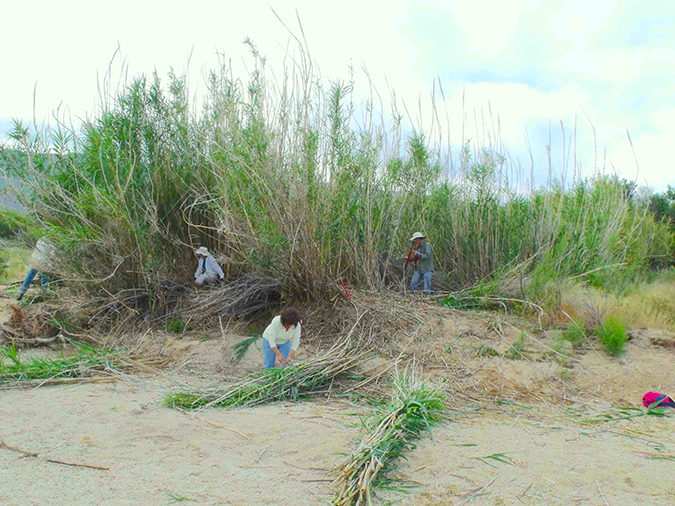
x: 281, y: 339
x: 40, y: 263
x: 208, y: 271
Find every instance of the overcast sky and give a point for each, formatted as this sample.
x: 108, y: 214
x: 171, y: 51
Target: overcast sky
x: 607, y: 63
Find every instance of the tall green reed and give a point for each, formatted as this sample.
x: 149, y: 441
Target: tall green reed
x: 281, y: 178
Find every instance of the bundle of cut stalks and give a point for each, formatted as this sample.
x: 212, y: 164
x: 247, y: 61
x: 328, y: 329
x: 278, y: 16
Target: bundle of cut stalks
x: 309, y: 376
x: 414, y: 407
x: 86, y: 364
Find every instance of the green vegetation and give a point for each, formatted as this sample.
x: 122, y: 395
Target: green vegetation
x: 286, y: 181
x: 516, y: 350
x: 16, y: 258
x: 413, y: 408
x: 239, y: 350
x: 613, y: 336
x: 13, y: 368
x: 487, y: 351
x: 574, y: 334
x: 269, y: 385
x: 176, y: 326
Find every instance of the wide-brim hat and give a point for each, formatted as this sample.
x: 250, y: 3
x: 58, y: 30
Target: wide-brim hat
x: 202, y: 251
x: 418, y: 235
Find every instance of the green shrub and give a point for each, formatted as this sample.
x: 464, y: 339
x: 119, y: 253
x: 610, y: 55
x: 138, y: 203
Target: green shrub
x: 516, y: 349
x: 176, y: 326
x: 613, y: 336
x: 3, y: 264
x: 574, y: 335
x: 487, y: 351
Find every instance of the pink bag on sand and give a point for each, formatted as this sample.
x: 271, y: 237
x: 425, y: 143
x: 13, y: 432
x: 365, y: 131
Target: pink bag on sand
x: 663, y: 400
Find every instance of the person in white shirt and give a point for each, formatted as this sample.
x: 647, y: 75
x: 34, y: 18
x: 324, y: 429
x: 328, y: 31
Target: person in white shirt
x: 208, y: 271
x: 41, y: 262
x: 281, y: 339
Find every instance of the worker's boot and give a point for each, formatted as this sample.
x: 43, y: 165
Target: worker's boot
x: 20, y: 296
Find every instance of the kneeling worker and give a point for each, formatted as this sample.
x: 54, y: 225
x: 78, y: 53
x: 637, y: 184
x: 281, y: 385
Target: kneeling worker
x: 208, y: 271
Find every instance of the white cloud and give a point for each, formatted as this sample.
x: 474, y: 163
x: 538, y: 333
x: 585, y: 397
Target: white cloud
x: 531, y: 61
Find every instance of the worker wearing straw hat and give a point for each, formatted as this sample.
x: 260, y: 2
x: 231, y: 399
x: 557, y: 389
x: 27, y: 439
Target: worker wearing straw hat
x: 423, y: 258
x: 208, y: 271
x: 281, y: 339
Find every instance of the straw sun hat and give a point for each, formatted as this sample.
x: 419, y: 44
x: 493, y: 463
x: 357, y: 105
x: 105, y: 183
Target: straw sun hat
x: 418, y: 235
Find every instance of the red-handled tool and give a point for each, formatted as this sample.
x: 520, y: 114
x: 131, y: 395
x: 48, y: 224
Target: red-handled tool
x: 346, y: 291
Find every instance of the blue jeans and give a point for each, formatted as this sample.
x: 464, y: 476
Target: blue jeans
x: 426, y: 280
x: 269, y: 357
x: 29, y: 279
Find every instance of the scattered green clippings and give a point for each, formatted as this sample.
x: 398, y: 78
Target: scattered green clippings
x: 626, y: 413
x: 499, y: 457
x: 515, y: 352
x: 487, y: 351
x: 239, y: 350
x: 176, y: 498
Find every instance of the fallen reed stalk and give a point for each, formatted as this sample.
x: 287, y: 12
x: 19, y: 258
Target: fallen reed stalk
x: 414, y: 407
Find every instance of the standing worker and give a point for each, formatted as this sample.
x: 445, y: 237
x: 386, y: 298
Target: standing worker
x: 208, y: 271
x: 424, y: 258
x: 40, y: 262
x: 281, y: 339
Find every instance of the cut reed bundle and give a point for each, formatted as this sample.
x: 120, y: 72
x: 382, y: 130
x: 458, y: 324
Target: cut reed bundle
x: 414, y: 407
x: 277, y: 384
x: 87, y: 363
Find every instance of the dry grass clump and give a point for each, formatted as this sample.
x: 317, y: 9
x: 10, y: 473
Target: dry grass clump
x: 414, y: 407
x: 648, y: 305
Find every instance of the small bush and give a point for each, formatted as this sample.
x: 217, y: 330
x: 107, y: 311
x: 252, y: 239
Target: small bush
x: 176, y: 326
x: 516, y: 349
x: 3, y: 264
x: 613, y: 336
x: 487, y: 351
x: 574, y: 335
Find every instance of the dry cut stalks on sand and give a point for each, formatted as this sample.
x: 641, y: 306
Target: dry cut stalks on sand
x: 414, y: 407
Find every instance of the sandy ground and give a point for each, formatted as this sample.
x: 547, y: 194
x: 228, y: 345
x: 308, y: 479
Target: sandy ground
x: 531, y: 431
x: 158, y: 456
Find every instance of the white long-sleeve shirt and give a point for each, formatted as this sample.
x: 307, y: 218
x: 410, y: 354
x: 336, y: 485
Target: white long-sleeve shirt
x: 210, y: 267
x: 41, y: 259
x: 276, y: 333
